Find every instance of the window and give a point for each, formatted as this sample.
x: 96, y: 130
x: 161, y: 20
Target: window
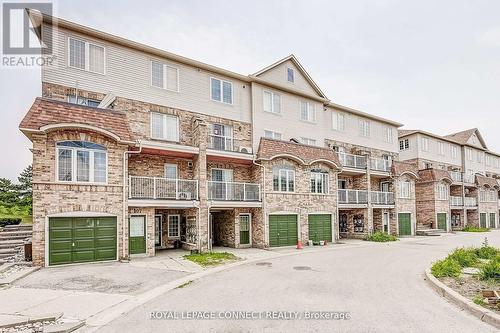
x: 388, y: 135
x: 86, y: 56
x: 364, y: 128
x: 479, y: 157
x: 441, y: 148
x: 174, y: 226
x: 307, y: 112
x: 454, y: 152
x: 469, y: 153
x: 442, y: 192
x: 427, y: 165
x: 164, y: 127
x: 405, y: 190
x: 221, y: 91
x: 83, y: 101
x: 164, y: 76
x: 290, y: 75
x: 283, y: 178
x: 338, y: 121
x: 80, y: 161
x: 171, y: 171
x: 272, y: 135
x: 487, y: 160
x: 404, y: 144
x: 272, y: 102
x: 308, y: 141
x: 319, y: 182
x: 425, y: 144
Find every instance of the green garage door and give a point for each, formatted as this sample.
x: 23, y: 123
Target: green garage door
x: 404, y: 221
x: 320, y: 227
x: 282, y: 230
x: 442, y: 221
x: 492, y: 220
x: 482, y: 220
x: 81, y: 239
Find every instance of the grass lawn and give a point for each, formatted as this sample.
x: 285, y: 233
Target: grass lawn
x: 207, y: 259
x: 475, y: 229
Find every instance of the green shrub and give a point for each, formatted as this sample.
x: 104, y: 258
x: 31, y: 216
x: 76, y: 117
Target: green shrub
x: 465, y: 257
x: 211, y: 258
x: 487, y: 252
x: 380, y: 237
x: 491, y: 270
x: 475, y: 229
x: 9, y: 221
x: 447, y: 267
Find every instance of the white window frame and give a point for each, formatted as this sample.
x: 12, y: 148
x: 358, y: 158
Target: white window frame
x: 469, y: 154
x: 311, y: 112
x: 74, y: 163
x: 441, y: 148
x: 308, y: 141
x: 287, y: 174
x: 273, y: 95
x: 454, y: 152
x: 273, y: 135
x: 443, y: 192
x: 425, y: 144
x: 322, y: 177
x: 338, y: 121
x: 221, y: 90
x: 388, y: 134
x: 405, y: 190
x: 479, y: 157
x: 166, y: 165
x: 165, y: 73
x: 404, y: 144
x: 87, y: 55
x: 293, y: 74
x: 364, y: 128
x: 178, y: 226
x: 164, y: 126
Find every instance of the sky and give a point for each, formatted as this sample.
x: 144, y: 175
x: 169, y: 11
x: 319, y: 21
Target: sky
x: 431, y: 65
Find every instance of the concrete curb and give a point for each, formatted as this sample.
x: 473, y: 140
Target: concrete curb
x: 24, y: 320
x: 462, y: 302
x: 18, y: 275
x: 104, y: 317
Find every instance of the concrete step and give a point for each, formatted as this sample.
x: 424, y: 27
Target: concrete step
x: 7, y: 244
x: 6, y: 255
x: 8, y: 250
x: 430, y: 232
x: 16, y: 232
x: 27, y: 227
x: 13, y: 237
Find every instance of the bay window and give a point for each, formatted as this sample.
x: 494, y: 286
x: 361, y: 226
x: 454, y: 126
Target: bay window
x: 81, y: 161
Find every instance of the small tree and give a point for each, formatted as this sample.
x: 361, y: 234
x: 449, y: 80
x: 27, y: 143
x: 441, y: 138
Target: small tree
x: 25, y: 188
x: 8, y: 195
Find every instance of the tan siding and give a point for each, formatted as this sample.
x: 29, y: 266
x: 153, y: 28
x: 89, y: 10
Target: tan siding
x: 278, y: 75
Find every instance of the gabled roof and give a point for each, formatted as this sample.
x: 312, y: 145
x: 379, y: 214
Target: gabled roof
x: 464, y: 136
x: 406, y: 132
x: 483, y: 181
x: 434, y: 175
x: 294, y: 60
x: 47, y: 114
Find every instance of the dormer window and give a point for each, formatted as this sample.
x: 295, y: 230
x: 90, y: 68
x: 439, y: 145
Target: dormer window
x: 290, y: 75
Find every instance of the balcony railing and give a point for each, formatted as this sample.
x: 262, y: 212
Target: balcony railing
x: 470, y: 201
x: 456, y: 176
x: 382, y: 198
x: 162, y: 188
x: 379, y: 164
x: 456, y: 201
x: 230, y: 191
x: 352, y: 161
x: 220, y: 142
x: 353, y: 196
x: 469, y: 179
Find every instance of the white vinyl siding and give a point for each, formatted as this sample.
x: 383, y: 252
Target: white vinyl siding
x: 221, y: 91
x: 272, y: 102
x: 364, y: 128
x: 164, y: 76
x: 307, y: 112
x: 86, y: 56
x: 164, y: 127
x: 338, y: 121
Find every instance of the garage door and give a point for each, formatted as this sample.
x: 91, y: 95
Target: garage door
x: 404, y: 221
x: 81, y: 239
x: 320, y: 227
x: 282, y: 230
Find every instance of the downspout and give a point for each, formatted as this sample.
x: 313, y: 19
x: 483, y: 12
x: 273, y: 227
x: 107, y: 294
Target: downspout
x: 263, y: 197
x: 125, y: 196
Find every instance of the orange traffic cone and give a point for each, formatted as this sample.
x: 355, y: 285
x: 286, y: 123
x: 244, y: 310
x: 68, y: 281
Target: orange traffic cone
x: 299, y: 245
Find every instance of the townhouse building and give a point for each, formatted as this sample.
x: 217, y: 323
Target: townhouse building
x: 458, y: 179
x: 136, y: 149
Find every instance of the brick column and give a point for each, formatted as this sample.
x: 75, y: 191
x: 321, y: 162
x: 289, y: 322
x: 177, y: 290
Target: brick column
x: 369, y: 188
x: 200, y: 136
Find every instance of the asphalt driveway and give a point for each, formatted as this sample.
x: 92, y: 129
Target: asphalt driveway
x: 380, y: 285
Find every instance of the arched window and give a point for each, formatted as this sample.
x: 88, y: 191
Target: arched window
x: 81, y: 161
x: 283, y: 178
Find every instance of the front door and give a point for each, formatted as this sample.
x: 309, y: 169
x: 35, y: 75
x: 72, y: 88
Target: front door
x: 386, y: 222
x: 482, y: 220
x: 384, y: 187
x: 137, y: 234
x: 492, y: 220
x: 441, y: 217
x: 158, y: 230
x: 244, y: 229
x: 404, y: 223
x: 343, y: 223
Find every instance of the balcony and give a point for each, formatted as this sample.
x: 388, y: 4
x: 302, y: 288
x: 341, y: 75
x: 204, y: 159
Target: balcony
x: 470, y: 202
x: 379, y: 164
x: 162, y: 188
x: 230, y: 191
x: 352, y: 161
x: 353, y: 196
x: 382, y: 198
x: 457, y: 201
x: 456, y: 176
